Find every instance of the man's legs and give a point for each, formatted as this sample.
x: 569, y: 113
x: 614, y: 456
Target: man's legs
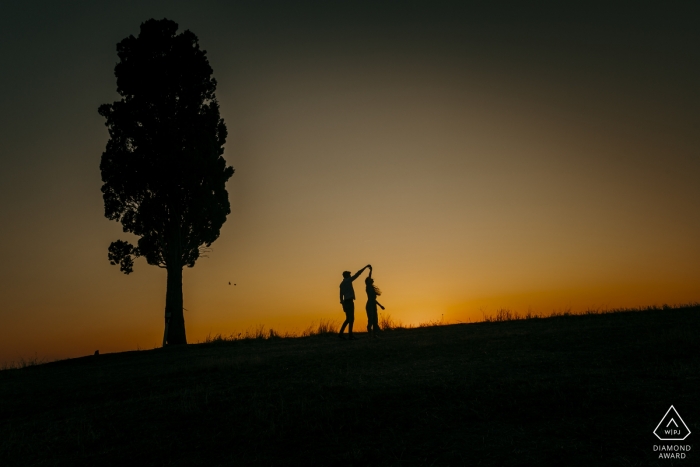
x: 350, y: 336
x: 349, y: 309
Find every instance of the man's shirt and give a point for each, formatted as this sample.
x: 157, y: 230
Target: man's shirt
x: 346, y: 289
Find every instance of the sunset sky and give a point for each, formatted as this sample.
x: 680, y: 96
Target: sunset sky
x: 478, y: 155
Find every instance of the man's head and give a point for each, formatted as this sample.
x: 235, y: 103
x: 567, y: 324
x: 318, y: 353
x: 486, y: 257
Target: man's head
x: 346, y: 274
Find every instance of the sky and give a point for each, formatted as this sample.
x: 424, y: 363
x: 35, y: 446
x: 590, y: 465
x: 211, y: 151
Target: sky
x: 480, y: 155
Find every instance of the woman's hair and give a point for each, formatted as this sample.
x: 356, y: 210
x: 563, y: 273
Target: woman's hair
x: 370, y: 283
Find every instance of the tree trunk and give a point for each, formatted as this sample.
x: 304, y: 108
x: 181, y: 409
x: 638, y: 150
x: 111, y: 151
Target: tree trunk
x: 174, y: 318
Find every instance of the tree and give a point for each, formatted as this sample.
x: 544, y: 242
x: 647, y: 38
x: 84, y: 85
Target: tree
x: 163, y: 168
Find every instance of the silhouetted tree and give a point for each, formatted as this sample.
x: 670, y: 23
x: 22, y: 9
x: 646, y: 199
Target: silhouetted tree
x: 163, y: 171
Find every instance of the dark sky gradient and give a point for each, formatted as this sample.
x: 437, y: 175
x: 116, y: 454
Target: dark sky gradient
x: 480, y: 155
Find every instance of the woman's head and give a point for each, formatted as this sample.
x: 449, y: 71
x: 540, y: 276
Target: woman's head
x: 370, y: 286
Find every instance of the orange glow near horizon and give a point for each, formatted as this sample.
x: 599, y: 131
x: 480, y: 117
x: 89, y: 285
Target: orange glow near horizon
x: 472, y: 174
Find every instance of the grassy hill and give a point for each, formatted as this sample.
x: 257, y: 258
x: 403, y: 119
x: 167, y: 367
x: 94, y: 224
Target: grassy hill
x: 573, y: 390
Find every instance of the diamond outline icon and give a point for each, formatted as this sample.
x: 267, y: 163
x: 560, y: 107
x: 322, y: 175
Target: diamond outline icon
x: 673, y: 419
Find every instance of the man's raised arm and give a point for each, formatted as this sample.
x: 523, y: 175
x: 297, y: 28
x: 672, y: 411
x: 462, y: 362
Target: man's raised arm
x: 357, y: 274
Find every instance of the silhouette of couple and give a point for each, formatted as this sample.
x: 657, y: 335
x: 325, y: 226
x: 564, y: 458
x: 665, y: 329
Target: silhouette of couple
x: 347, y: 299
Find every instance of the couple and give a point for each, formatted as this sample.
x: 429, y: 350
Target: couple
x: 347, y: 297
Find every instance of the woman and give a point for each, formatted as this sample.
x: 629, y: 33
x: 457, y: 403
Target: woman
x: 372, y: 293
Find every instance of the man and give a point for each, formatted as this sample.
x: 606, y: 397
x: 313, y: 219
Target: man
x: 347, y: 297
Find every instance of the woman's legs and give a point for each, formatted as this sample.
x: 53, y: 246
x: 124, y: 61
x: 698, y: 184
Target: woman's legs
x: 375, y: 324
x: 372, y: 325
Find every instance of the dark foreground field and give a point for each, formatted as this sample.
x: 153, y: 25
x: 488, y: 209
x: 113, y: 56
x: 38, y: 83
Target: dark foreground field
x: 583, y: 391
